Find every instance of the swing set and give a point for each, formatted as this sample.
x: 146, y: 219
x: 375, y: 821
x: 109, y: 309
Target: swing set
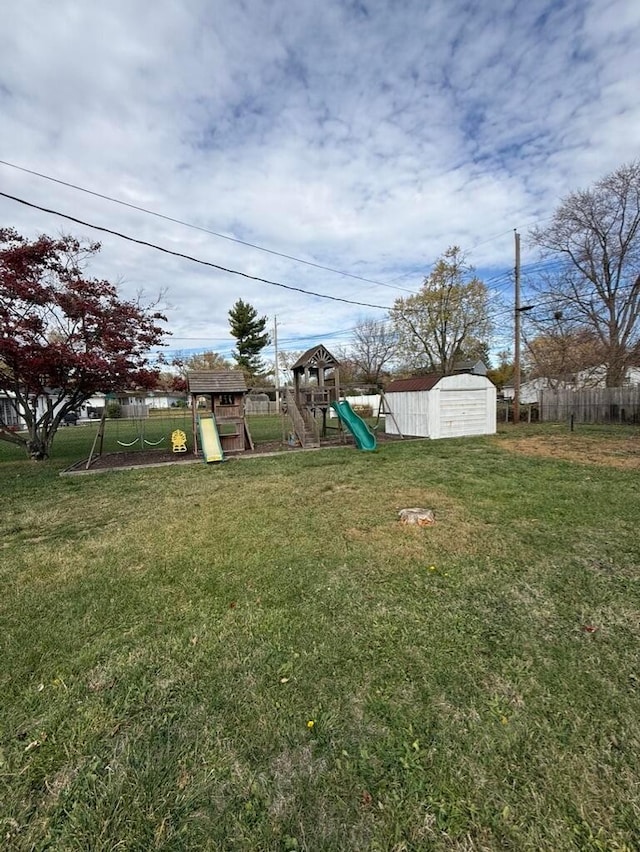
x: 139, y: 425
x: 137, y: 429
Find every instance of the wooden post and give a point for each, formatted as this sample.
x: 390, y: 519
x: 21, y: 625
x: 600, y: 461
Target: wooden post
x: 194, y: 423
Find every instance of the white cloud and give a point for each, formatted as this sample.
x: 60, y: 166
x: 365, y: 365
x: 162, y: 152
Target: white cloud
x: 364, y: 136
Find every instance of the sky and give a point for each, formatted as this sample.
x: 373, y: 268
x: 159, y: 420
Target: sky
x: 364, y: 137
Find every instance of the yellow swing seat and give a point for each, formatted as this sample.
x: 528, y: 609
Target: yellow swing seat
x: 179, y: 441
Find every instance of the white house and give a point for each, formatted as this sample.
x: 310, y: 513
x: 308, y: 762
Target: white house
x: 593, y: 378
x: 8, y: 414
x: 12, y: 414
x: 437, y: 406
x: 529, y: 390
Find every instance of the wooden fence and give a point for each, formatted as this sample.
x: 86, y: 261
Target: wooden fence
x: 592, y: 405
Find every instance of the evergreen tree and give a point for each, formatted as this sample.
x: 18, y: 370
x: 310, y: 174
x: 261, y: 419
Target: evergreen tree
x: 249, y: 331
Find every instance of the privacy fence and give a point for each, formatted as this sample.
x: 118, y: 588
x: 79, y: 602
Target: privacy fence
x: 592, y: 405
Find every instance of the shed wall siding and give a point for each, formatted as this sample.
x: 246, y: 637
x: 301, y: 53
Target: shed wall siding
x: 411, y: 411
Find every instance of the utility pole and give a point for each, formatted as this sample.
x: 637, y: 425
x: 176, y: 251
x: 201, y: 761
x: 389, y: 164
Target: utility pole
x: 516, y: 359
x: 277, y: 376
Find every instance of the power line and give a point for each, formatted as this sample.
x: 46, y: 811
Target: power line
x: 199, y: 227
x: 190, y: 257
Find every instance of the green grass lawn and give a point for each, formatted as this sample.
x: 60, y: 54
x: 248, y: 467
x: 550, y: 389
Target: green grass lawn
x: 257, y: 656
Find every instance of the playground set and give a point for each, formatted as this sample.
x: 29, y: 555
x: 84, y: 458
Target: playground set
x: 218, y: 416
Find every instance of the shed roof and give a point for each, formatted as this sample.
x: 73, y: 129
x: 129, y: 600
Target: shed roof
x: 216, y: 381
x: 418, y: 383
x: 317, y: 356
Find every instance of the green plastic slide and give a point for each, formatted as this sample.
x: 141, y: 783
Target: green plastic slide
x: 364, y: 437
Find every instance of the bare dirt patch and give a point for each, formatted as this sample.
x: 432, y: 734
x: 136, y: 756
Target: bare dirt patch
x: 621, y: 453
x: 146, y: 458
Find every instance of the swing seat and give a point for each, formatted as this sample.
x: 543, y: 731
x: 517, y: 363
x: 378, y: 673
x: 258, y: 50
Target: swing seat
x: 179, y: 441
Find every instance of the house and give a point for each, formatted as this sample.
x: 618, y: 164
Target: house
x: 8, y: 414
x: 13, y: 418
x: 593, y: 378
x: 436, y: 406
x: 529, y: 390
x: 477, y: 368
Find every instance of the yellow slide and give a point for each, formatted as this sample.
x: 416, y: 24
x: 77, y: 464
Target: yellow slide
x: 210, y: 440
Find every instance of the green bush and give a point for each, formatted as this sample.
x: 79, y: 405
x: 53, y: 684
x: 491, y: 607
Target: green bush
x: 114, y: 410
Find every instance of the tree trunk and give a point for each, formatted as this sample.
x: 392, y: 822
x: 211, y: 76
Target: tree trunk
x: 38, y: 446
x: 616, y: 367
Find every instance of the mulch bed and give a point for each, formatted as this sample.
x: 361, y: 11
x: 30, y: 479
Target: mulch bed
x: 145, y: 458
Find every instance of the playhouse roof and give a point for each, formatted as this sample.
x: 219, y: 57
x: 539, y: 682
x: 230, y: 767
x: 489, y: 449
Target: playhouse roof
x: 216, y: 381
x: 317, y: 356
x: 418, y: 383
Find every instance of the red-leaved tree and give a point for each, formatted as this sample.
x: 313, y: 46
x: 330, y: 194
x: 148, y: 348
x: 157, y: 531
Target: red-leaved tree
x: 63, y: 336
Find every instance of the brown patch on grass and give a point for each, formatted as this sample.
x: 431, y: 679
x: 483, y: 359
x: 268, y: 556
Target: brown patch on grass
x: 285, y: 772
x: 60, y: 782
x: 621, y: 453
x: 100, y: 678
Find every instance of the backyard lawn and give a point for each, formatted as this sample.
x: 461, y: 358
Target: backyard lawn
x: 258, y: 656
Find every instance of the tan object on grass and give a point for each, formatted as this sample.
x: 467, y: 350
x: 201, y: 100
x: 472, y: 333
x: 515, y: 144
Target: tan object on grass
x: 421, y: 517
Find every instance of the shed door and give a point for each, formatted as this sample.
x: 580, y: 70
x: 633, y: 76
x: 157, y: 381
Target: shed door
x: 463, y: 412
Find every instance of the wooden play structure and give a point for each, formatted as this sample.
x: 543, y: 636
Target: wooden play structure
x: 316, y: 385
x: 221, y: 426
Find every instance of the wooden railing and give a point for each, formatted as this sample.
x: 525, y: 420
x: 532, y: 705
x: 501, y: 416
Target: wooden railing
x: 312, y: 426
x: 306, y: 435
x: 317, y: 396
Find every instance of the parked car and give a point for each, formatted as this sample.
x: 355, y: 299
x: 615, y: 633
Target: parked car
x: 70, y: 418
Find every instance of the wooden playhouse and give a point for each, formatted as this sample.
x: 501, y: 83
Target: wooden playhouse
x: 221, y: 394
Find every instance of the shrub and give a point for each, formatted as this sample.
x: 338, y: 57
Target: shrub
x: 363, y: 410
x: 114, y: 410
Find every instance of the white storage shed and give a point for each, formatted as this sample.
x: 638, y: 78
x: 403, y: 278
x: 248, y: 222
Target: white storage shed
x: 435, y: 406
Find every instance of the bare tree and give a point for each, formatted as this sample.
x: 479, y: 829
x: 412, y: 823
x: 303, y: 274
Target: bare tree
x: 374, y: 345
x: 185, y: 362
x: 286, y: 360
x: 565, y: 357
x: 349, y: 371
x: 447, y: 316
x: 596, y: 232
